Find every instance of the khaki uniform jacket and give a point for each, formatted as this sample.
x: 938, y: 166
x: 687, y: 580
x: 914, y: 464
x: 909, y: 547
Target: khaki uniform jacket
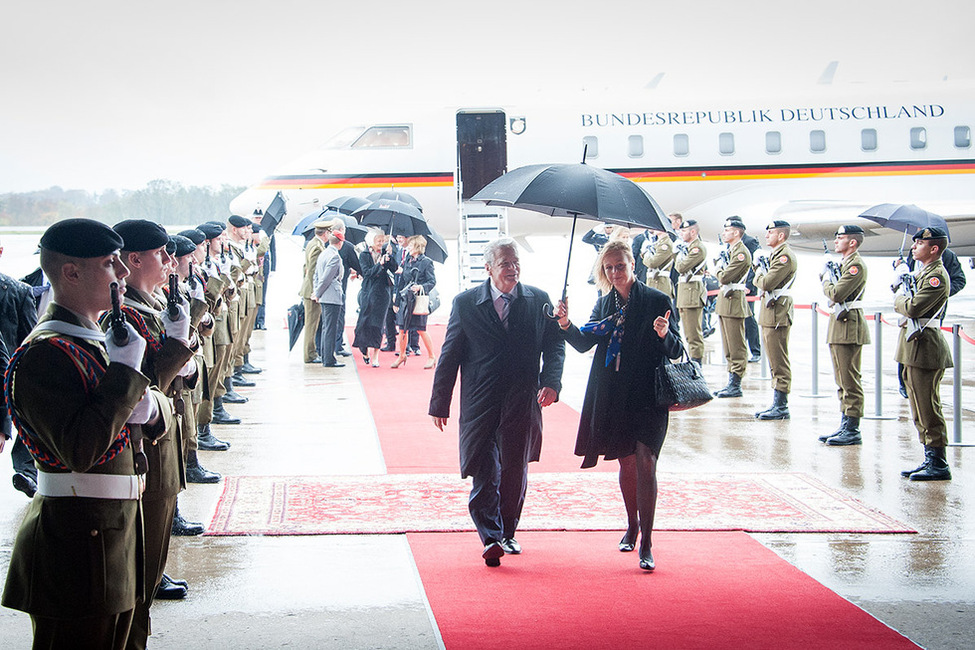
x: 659, y: 260
x: 76, y: 557
x: 850, y: 328
x: 262, y: 249
x: 691, y: 294
x: 734, y: 304
x: 929, y: 349
x: 781, y: 272
x: 312, y: 251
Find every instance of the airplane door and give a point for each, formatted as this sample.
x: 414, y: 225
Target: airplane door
x: 482, y: 152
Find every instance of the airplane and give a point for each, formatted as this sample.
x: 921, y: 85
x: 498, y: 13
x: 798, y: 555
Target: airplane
x: 816, y: 159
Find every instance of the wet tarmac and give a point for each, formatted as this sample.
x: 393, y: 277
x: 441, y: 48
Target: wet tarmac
x: 347, y: 591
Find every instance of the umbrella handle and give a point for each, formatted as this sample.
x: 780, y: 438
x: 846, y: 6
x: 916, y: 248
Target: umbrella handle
x: 549, y: 312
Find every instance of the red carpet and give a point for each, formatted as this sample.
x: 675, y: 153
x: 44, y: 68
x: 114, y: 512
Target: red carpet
x: 399, y: 400
x: 574, y: 590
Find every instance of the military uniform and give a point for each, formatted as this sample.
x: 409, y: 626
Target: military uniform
x: 847, y: 332
x: 775, y: 315
x: 659, y: 261
x: 313, y: 309
x: 732, y: 309
x: 691, y: 294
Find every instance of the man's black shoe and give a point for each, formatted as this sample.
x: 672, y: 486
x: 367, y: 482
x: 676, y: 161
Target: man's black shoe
x: 184, y: 528
x: 315, y: 360
x: 344, y: 353
x: 169, y: 590
x: 334, y: 365
x: 511, y: 546
x: 492, y: 554
x: 25, y: 484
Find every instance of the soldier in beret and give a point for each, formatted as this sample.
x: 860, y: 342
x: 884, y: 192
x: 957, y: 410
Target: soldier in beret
x: 847, y: 332
x: 922, y: 349
x: 732, y: 307
x: 690, y: 263
x: 313, y: 309
x: 658, y: 260
x: 76, y: 565
x: 773, y: 278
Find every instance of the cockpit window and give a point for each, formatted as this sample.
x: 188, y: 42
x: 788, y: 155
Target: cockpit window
x: 396, y: 135
x: 344, y: 138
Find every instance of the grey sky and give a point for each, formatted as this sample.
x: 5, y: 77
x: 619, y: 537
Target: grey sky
x: 107, y: 93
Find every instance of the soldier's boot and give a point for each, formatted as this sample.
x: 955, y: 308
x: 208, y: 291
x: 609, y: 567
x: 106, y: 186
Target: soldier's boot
x: 927, y: 459
x: 220, y: 414
x: 827, y: 436
x: 184, y: 528
x: 196, y: 473
x: 249, y: 369
x: 206, y: 441
x: 240, y: 379
x: 170, y: 589
x: 230, y: 396
x: 733, y: 389
x: 848, y: 436
x: 779, y: 409
x: 937, y: 466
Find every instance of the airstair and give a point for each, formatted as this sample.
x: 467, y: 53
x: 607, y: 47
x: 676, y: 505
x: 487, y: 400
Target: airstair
x: 479, y: 224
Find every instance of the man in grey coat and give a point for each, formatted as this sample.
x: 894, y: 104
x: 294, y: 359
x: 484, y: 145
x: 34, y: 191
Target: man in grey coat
x: 328, y: 292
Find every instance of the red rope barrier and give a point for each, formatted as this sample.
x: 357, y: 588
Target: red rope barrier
x: 872, y: 317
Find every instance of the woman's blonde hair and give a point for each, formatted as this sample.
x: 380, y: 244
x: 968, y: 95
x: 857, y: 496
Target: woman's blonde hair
x: 418, y: 243
x: 619, y: 247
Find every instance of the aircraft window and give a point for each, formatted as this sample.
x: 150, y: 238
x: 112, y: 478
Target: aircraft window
x: 682, y: 145
x: 726, y: 143
x: 384, y: 137
x: 773, y: 142
x: 635, y: 146
x: 817, y: 141
x: 919, y: 137
x: 868, y: 139
x: 963, y: 137
x: 591, y: 143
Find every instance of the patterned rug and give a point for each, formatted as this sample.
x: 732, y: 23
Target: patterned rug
x: 401, y: 503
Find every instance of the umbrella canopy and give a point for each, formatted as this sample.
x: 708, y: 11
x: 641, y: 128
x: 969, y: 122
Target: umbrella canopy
x: 393, y: 217
x: 906, y: 218
x: 436, y: 247
x: 354, y: 233
x: 296, y: 322
x: 273, y: 215
x: 347, y: 204
x: 396, y: 195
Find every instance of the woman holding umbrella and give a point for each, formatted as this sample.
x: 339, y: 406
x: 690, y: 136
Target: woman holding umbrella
x: 374, y: 295
x: 633, y: 328
x: 416, y: 275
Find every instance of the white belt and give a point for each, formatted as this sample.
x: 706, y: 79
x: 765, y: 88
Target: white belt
x: 840, y: 307
x: 93, y: 486
x: 775, y: 294
x: 737, y: 286
x: 660, y: 272
x: 691, y: 278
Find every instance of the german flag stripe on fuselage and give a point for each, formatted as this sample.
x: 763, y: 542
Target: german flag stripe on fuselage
x: 641, y: 175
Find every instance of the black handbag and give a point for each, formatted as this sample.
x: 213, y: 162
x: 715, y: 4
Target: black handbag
x: 681, y: 386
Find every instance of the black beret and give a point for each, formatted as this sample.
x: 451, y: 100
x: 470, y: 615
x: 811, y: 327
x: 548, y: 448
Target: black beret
x: 184, y: 245
x: 849, y: 230
x: 83, y: 238
x: 141, y: 235
x: 238, y: 221
x: 688, y: 223
x: 778, y: 223
x: 255, y: 227
x: 210, y: 230
x: 931, y: 233
x: 734, y: 222
x: 171, y: 246
x: 194, y: 235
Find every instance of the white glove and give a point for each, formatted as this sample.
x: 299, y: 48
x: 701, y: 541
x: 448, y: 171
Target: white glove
x: 196, y: 291
x: 188, y: 369
x: 212, y: 268
x: 825, y: 272
x: 145, y: 411
x: 645, y: 249
x: 179, y: 328
x: 129, y: 354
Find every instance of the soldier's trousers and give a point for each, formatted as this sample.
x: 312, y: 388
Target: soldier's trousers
x: 158, y: 521
x: 846, y: 371
x: 924, y: 394
x: 734, y: 344
x: 313, y: 314
x: 97, y: 632
x: 775, y: 340
x: 690, y: 317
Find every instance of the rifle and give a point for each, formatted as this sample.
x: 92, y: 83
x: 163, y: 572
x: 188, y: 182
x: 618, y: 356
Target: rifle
x: 223, y: 253
x: 191, y: 279
x: 830, y: 266
x: 172, y: 301
x: 120, y: 335
x: 900, y: 254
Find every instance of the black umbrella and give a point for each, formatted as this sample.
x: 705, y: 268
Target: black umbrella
x: 436, y: 247
x: 393, y: 217
x: 905, y: 218
x: 296, y: 322
x: 354, y: 233
x: 575, y: 190
x: 347, y: 204
x: 396, y: 195
x: 273, y: 215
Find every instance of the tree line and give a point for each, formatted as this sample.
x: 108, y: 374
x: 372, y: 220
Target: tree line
x: 163, y: 201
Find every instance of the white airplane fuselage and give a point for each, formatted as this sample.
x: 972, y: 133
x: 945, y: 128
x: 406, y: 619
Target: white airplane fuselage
x: 816, y: 161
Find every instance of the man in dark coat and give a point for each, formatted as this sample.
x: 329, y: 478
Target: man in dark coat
x: 496, y: 337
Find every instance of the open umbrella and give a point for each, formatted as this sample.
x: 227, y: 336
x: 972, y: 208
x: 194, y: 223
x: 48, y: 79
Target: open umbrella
x: 436, y: 247
x: 347, y: 204
x: 306, y: 222
x: 273, y: 215
x: 575, y: 190
x: 354, y: 233
x: 396, y: 195
x: 393, y: 217
x: 296, y: 322
x: 906, y: 218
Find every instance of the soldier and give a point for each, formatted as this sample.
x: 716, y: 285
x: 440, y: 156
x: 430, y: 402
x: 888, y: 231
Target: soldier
x: 690, y: 262
x: 658, y: 258
x: 773, y: 278
x: 847, y: 331
x: 168, y: 362
x: 313, y: 309
x: 87, y: 510
x: 922, y: 349
x: 732, y: 305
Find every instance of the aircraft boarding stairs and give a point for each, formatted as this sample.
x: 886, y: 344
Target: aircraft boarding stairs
x: 479, y: 224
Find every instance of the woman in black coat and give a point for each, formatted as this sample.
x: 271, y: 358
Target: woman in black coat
x: 374, y: 296
x: 633, y: 328
x: 417, y: 275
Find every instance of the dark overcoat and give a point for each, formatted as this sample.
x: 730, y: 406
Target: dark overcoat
x: 374, y: 297
x: 619, y: 409
x: 416, y: 270
x: 501, y: 370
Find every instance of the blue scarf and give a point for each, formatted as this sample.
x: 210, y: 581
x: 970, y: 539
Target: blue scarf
x: 612, y: 325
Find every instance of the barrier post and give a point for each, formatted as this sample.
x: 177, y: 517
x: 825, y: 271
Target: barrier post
x: 878, y: 369
x: 956, y: 383
x: 815, y: 351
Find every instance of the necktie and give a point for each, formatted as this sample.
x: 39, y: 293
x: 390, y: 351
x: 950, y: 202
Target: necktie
x: 504, y: 306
